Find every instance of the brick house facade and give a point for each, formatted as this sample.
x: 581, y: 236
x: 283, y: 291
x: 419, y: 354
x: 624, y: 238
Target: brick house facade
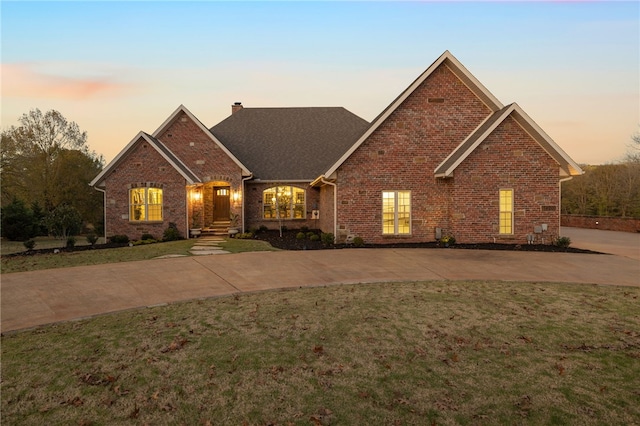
x: 444, y: 158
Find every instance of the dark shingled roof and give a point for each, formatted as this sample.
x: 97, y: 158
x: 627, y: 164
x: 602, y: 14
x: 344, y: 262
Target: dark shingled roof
x: 289, y: 143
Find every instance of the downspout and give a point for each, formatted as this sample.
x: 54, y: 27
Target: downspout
x: 560, y: 201
x: 335, y: 205
x: 104, y: 210
x: 244, y: 197
x: 186, y: 209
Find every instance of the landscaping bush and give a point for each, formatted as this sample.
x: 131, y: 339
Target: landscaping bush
x: 18, y: 223
x: 328, y: 239
x: 301, y: 236
x: 71, y: 241
x: 171, y: 233
x: 119, y: 239
x: 92, y: 239
x: 245, y: 235
x: 315, y: 237
x: 563, y: 242
x: 30, y: 244
x: 147, y: 237
x: 65, y: 221
x: 358, y: 242
x: 310, y: 234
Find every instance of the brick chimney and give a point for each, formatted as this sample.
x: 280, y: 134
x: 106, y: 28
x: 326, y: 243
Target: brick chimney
x: 237, y: 106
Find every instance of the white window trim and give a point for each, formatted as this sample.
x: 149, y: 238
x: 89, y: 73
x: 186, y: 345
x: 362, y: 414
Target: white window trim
x: 146, y: 205
x: 292, y: 203
x: 396, y: 213
x: 500, y: 211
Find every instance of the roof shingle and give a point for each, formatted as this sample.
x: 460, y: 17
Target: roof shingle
x: 289, y: 144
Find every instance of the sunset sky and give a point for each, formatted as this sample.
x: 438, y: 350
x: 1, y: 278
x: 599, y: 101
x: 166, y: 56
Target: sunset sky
x: 116, y: 68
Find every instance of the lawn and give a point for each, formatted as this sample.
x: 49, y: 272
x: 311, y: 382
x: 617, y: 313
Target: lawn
x: 385, y: 354
x: 112, y: 255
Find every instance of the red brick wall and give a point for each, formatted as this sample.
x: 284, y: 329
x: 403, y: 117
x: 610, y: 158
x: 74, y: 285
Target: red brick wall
x: 144, y: 164
x: 254, y: 207
x: 625, y: 224
x: 197, y: 151
x: 508, y: 159
x: 402, y: 154
x: 325, y: 208
x: 204, y: 157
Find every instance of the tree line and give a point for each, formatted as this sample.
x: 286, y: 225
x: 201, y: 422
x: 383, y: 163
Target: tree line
x: 45, y: 170
x: 606, y: 190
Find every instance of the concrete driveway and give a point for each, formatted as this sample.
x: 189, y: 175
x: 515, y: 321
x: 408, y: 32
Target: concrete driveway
x: 35, y: 298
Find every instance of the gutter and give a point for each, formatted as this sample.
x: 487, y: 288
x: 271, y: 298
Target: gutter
x: 104, y: 210
x: 244, y: 197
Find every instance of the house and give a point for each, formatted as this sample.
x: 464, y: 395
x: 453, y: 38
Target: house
x: 446, y: 157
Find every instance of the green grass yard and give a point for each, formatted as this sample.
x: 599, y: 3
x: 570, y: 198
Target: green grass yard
x: 396, y: 353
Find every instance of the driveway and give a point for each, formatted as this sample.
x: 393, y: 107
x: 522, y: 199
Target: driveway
x: 35, y: 298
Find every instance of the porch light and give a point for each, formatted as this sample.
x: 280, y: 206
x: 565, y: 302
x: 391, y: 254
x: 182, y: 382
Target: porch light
x: 236, y: 196
x: 196, y: 195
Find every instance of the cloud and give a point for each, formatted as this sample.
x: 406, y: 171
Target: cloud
x: 42, y: 80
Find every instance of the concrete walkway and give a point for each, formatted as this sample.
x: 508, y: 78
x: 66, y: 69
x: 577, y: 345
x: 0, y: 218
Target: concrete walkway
x: 40, y: 297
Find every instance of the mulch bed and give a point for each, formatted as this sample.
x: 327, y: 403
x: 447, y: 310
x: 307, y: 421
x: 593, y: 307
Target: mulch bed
x: 66, y: 249
x: 288, y: 241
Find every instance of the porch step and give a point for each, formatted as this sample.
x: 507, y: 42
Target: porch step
x: 220, y: 228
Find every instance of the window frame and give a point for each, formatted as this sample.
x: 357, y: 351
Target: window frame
x: 505, y: 213
x: 295, y: 209
x: 397, y: 214
x: 145, y: 204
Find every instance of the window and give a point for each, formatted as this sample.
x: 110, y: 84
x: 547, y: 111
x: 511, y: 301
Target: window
x: 285, y: 202
x: 145, y: 204
x: 396, y: 212
x: 506, y: 211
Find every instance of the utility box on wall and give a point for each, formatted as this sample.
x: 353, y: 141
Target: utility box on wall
x: 315, y: 214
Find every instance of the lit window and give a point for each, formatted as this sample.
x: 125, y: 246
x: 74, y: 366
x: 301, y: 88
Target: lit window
x: 145, y: 204
x: 283, y: 202
x: 506, y: 211
x: 396, y: 212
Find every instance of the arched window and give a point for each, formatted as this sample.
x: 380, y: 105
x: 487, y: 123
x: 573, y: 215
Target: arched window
x: 283, y: 202
x: 145, y: 204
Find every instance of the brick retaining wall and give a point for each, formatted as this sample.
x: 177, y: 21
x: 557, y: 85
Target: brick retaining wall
x: 625, y: 224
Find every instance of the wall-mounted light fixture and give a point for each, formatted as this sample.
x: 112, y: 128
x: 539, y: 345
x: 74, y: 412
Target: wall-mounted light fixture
x: 236, y: 196
x: 196, y: 194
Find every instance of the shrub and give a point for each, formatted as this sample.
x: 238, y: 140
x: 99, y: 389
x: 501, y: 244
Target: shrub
x: 147, y: 237
x: 263, y: 228
x: 563, y: 242
x: 315, y: 237
x: 119, y: 239
x: 301, y: 236
x: 92, y: 238
x: 358, y: 242
x: 448, y: 240
x: 171, y: 233
x: 18, y: 223
x: 245, y: 235
x: 71, y: 241
x: 30, y: 244
x: 327, y: 238
x: 310, y: 234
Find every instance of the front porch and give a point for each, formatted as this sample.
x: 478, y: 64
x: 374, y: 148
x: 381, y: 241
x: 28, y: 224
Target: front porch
x: 214, y: 208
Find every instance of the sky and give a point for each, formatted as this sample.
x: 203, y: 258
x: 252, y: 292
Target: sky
x: 116, y: 68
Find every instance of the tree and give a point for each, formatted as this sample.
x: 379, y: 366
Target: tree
x: 18, y: 223
x: 46, y: 160
x: 64, y: 221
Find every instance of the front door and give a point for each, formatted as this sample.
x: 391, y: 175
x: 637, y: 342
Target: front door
x: 221, y: 203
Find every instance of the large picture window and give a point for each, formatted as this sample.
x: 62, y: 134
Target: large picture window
x: 283, y: 202
x: 396, y: 212
x: 506, y: 211
x: 145, y: 204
